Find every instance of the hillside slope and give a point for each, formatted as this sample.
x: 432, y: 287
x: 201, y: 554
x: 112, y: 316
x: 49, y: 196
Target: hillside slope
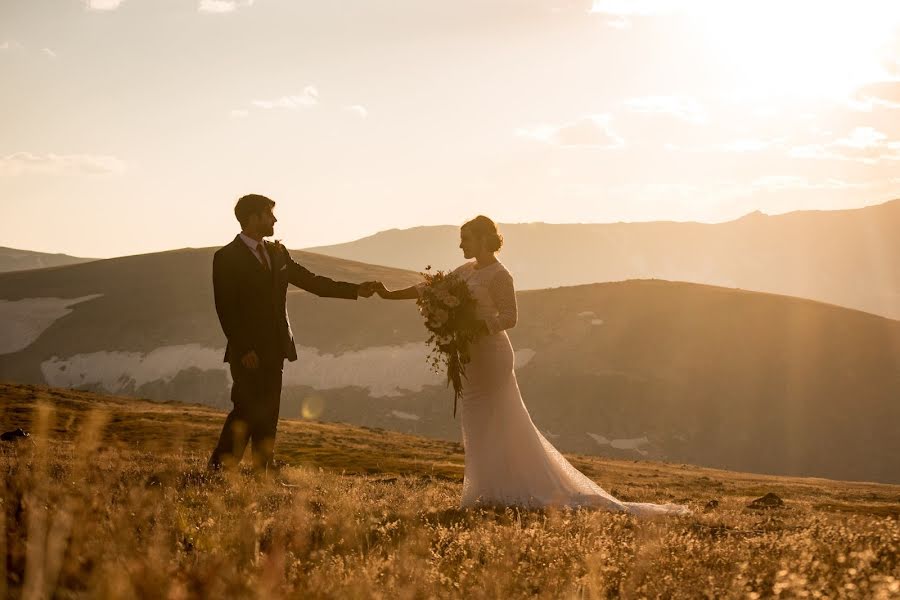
x: 13, y: 259
x: 845, y: 257
x: 636, y: 369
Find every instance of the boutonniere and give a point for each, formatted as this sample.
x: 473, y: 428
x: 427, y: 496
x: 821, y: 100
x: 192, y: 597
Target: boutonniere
x: 280, y: 251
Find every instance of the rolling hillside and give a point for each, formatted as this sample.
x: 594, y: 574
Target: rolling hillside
x: 636, y: 369
x: 13, y: 259
x: 845, y: 257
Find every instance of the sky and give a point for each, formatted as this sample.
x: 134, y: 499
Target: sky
x: 132, y: 126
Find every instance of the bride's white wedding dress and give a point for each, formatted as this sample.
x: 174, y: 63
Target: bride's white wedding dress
x: 508, y: 461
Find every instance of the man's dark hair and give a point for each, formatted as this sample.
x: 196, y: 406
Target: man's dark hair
x: 251, y: 204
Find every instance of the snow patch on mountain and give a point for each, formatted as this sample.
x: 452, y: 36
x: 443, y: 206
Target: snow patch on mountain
x: 384, y: 370
x: 622, y: 444
x: 405, y: 415
x: 523, y: 357
x: 114, y: 371
x: 23, y: 321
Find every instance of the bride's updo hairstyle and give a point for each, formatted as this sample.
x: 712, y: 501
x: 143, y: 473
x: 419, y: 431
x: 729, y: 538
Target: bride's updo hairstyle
x: 486, y: 230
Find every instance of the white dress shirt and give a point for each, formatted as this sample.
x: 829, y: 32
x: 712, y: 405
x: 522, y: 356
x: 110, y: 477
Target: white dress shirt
x: 252, y: 244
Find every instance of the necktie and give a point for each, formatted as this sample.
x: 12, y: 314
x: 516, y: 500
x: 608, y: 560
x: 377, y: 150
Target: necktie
x: 262, y: 256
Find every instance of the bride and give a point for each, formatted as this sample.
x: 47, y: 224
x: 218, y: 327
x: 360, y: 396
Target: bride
x: 508, y: 461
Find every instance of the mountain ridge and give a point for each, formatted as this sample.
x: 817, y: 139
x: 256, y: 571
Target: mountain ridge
x: 846, y: 257
x: 16, y: 259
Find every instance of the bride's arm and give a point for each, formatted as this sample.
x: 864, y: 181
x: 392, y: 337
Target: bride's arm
x: 503, y: 293
x: 410, y: 293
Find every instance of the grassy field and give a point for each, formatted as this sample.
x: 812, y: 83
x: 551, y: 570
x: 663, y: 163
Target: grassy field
x: 109, y: 499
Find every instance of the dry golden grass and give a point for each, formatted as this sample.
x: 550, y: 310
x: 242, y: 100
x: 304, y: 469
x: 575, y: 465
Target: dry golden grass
x: 110, y: 499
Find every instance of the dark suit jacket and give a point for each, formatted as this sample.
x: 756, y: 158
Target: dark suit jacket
x: 251, y: 302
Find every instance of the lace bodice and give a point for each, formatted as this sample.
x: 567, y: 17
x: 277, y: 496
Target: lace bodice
x: 493, y: 290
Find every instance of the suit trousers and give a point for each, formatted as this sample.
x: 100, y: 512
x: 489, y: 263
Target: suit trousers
x: 256, y: 395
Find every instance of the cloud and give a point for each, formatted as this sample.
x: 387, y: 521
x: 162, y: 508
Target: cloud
x: 793, y: 182
x: 593, y: 131
x: 619, y: 23
x: 815, y: 151
x: 891, y: 55
x: 309, y: 97
x: 861, y: 138
x: 744, y: 146
x: 358, y: 110
x: 11, y: 45
x: 864, y: 144
x: 306, y: 99
x: 103, y: 4
x: 750, y: 145
x: 222, y: 6
x: 635, y: 8
x: 884, y: 94
x: 26, y: 163
x: 738, y: 146
x: 678, y: 106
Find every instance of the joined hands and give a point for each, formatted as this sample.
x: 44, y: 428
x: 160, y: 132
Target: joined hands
x: 368, y: 288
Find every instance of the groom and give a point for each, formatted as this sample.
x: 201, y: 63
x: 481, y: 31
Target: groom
x: 250, y: 281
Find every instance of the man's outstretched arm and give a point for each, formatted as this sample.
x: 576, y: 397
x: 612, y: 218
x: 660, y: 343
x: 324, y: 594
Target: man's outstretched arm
x: 319, y: 285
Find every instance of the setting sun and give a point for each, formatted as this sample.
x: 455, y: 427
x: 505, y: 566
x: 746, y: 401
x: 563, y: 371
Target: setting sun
x: 800, y: 49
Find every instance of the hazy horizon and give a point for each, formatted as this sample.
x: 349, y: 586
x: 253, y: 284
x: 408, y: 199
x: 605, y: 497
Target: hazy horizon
x: 388, y: 229
x: 132, y: 126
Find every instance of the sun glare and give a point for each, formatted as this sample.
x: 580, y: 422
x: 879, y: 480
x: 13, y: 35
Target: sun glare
x: 800, y: 49
x: 794, y: 49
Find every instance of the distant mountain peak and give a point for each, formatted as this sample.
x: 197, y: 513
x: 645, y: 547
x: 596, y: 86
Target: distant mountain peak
x: 756, y: 214
x: 16, y: 259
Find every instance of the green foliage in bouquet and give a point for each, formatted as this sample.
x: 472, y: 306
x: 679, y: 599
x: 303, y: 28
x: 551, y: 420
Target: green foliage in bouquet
x: 449, y: 312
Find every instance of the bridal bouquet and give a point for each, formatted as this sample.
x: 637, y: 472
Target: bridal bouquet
x: 449, y: 312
